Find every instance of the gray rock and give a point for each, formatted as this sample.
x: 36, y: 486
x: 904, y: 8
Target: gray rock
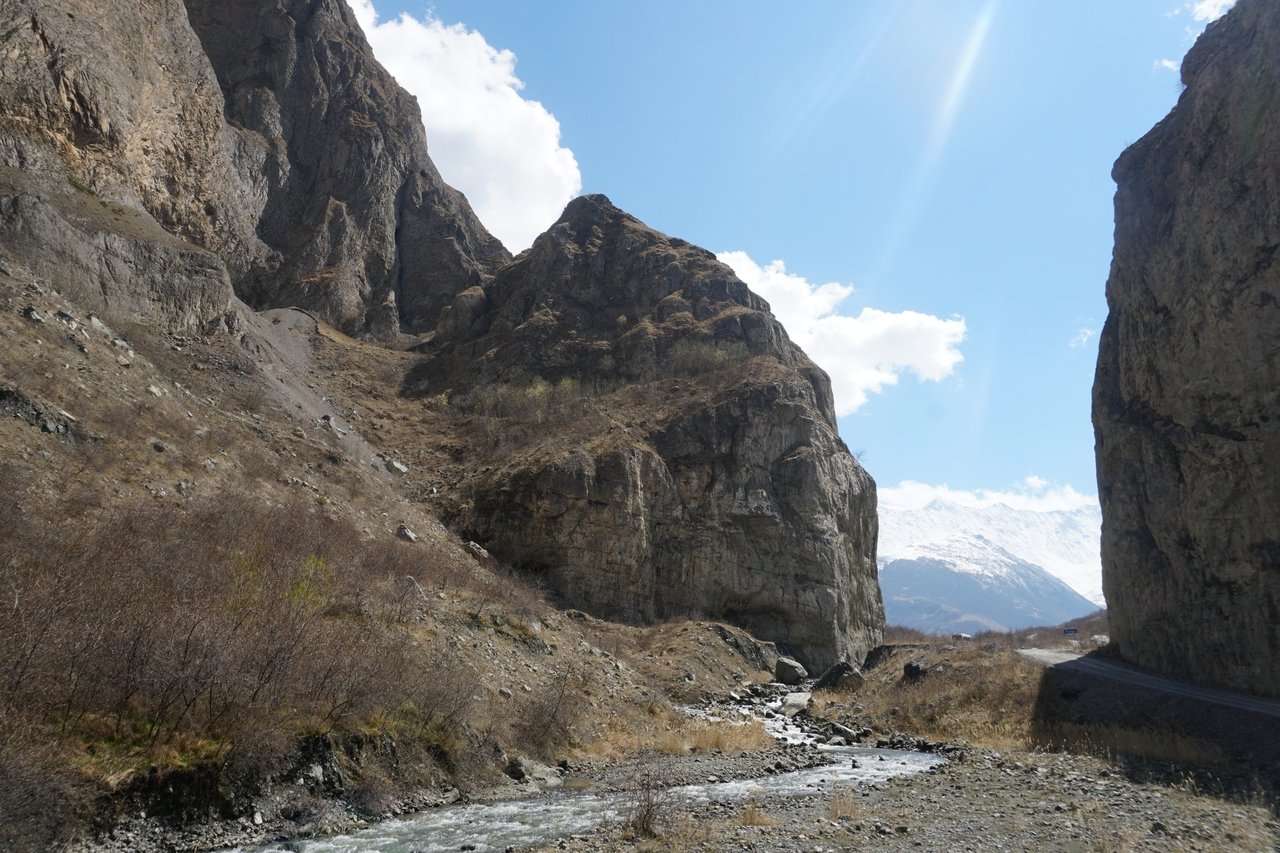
x: 527, y: 770
x: 789, y: 671
x: 280, y: 159
x: 843, y: 676
x: 1187, y: 393
x: 914, y: 670
x: 406, y: 534
x: 794, y: 703
x: 732, y: 497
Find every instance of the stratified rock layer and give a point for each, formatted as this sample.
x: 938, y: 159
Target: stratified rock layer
x: 262, y: 132
x: 1187, y: 393
x: 721, y: 488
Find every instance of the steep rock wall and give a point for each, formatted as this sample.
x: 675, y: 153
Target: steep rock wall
x: 705, y: 474
x: 266, y: 135
x: 1187, y: 392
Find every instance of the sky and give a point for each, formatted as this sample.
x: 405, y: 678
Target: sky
x: 920, y: 188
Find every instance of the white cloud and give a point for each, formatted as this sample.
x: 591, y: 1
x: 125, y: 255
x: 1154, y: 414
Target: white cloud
x: 863, y: 354
x: 1034, y: 493
x: 1082, y: 337
x: 500, y: 149
x: 1165, y: 65
x: 1209, y: 10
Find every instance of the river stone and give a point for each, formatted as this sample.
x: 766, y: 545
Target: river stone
x: 1186, y: 401
x: 794, y: 703
x: 789, y: 671
x: 534, y: 772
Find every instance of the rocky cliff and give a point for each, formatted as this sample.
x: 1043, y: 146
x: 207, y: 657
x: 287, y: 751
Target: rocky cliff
x: 683, y: 456
x: 1187, y: 393
x: 654, y: 443
x: 258, y: 134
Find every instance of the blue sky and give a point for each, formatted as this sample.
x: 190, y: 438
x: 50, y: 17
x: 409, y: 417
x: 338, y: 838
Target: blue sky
x: 941, y: 166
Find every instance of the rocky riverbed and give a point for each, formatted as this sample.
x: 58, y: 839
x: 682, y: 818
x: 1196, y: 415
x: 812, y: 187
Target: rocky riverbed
x: 812, y: 792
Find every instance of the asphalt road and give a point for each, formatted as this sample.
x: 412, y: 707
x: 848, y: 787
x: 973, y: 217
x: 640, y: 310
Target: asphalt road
x: 1102, y: 668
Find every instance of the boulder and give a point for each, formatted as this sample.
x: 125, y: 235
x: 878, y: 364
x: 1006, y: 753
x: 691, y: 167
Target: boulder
x: 789, y: 671
x: 914, y: 670
x: 795, y: 703
x: 842, y: 676
x: 1186, y: 399
x: 534, y: 772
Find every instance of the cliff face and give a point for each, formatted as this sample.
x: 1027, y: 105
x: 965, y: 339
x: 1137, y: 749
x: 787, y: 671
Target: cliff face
x: 699, y: 470
x: 160, y: 162
x: 1187, y: 393
x: 261, y: 133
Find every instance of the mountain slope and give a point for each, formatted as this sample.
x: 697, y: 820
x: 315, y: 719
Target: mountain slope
x: 1063, y: 542
x: 967, y: 583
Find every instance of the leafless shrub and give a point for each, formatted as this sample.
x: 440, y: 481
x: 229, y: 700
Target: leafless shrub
x: 372, y: 793
x: 650, y: 805
x: 38, y: 792
x: 545, y: 720
x: 213, y: 635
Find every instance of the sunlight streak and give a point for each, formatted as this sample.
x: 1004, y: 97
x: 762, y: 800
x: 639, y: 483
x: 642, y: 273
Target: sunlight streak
x: 836, y: 78
x: 943, y: 125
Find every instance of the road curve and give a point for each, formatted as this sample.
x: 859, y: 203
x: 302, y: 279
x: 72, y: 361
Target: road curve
x: 1102, y: 668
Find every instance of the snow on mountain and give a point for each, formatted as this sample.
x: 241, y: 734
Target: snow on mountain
x: 968, y: 583
x: 1065, y: 542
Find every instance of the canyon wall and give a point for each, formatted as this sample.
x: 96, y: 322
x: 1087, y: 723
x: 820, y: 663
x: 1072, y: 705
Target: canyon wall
x: 1187, y: 393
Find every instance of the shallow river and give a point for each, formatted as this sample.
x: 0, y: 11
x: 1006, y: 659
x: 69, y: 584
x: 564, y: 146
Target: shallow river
x: 496, y: 826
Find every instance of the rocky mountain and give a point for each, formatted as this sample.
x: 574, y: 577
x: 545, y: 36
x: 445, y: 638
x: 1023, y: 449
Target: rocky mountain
x: 155, y: 153
x: 1187, y: 393
x: 968, y: 583
x: 653, y: 444
x: 1063, y: 542
x: 700, y: 471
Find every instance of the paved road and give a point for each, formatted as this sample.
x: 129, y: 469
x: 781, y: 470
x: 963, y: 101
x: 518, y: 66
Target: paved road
x: 1132, y: 675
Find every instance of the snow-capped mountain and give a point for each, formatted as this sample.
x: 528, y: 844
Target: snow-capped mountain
x: 1063, y: 542
x: 968, y: 583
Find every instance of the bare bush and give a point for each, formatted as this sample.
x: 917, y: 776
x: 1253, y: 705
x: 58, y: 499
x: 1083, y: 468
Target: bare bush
x: 215, y: 635
x: 547, y: 717
x: 650, y: 805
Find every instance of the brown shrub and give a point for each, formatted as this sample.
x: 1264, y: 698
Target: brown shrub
x: 546, y: 718
x: 213, y: 635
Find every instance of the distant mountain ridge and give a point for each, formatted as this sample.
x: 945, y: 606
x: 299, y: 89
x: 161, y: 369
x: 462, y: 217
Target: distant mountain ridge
x: 1065, y: 543
x: 968, y: 583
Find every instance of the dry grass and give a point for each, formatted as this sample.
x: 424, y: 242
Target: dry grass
x: 1114, y: 742
x: 752, y: 815
x: 659, y: 728
x: 727, y: 737
x: 846, y: 804
x: 986, y: 698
